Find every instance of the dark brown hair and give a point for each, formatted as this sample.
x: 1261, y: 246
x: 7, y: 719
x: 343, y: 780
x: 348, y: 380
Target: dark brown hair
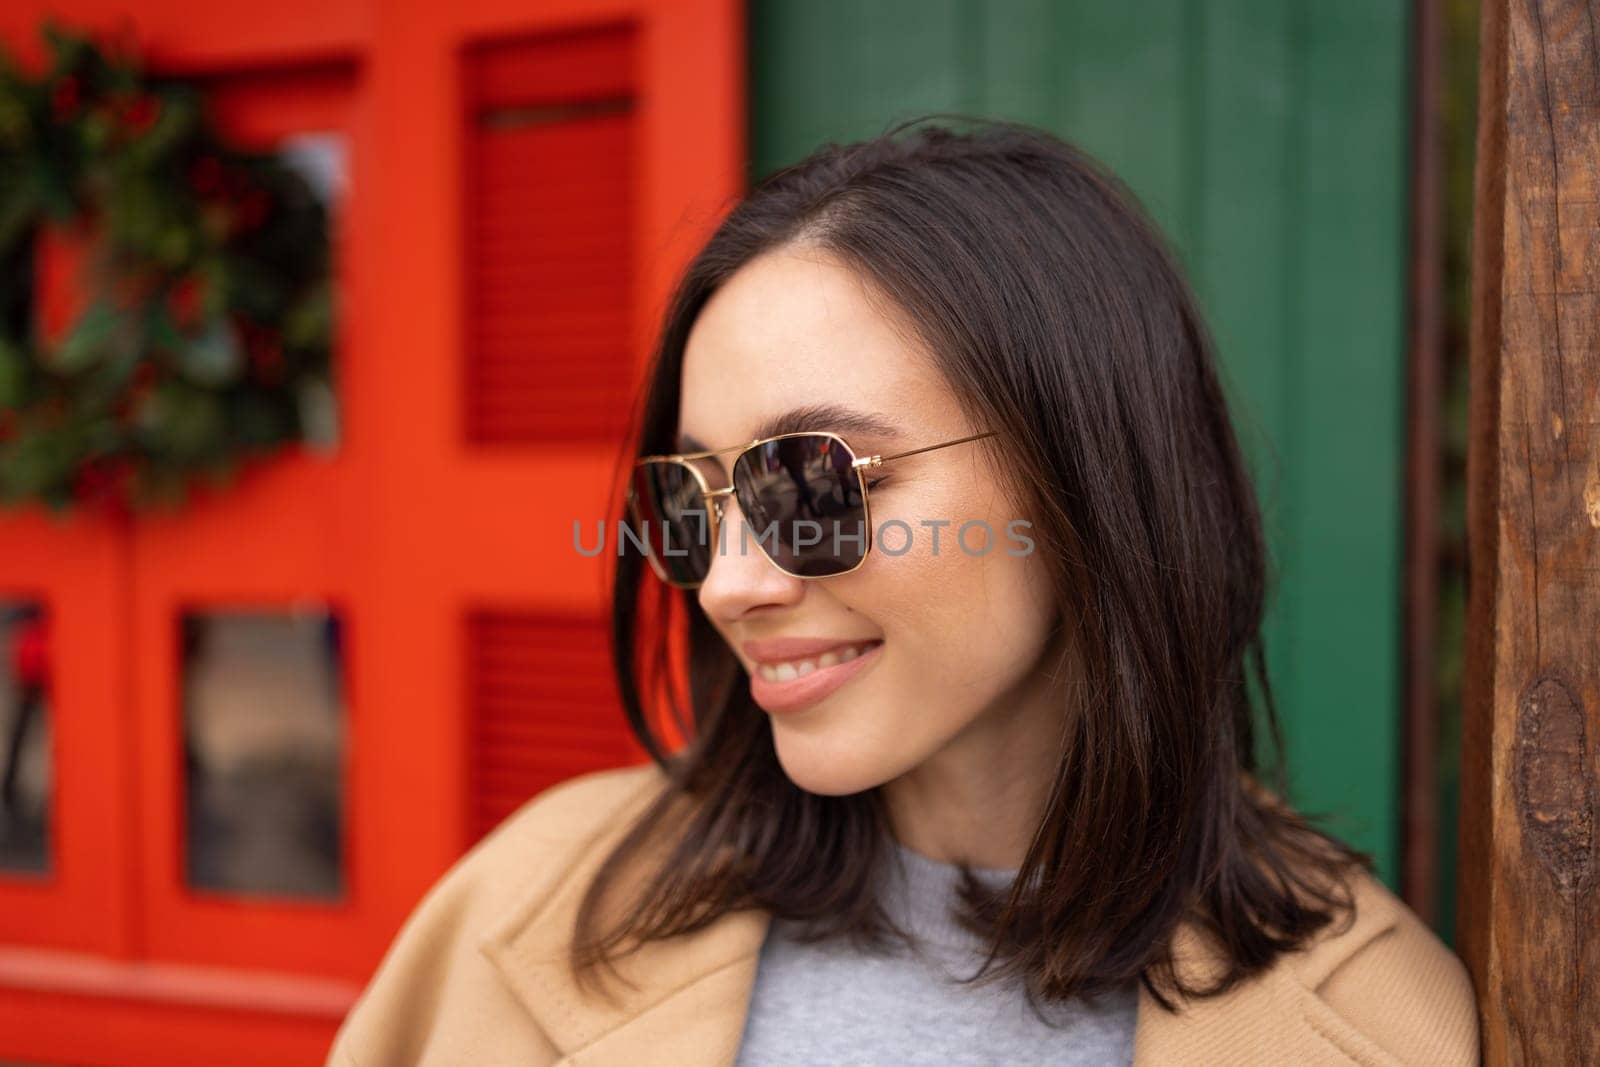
x: 1057, y: 315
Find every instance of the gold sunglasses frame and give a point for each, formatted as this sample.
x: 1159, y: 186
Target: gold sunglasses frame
x: 716, y: 499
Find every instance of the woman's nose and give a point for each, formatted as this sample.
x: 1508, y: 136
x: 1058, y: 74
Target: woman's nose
x: 741, y: 577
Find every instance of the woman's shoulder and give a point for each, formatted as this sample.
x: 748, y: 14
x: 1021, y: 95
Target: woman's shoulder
x: 433, y: 966
x: 1381, y: 972
x: 535, y: 846
x: 566, y: 816
x: 1377, y: 986
x: 1387, y: 975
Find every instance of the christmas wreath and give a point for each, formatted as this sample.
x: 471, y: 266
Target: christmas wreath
x: 202, y: 336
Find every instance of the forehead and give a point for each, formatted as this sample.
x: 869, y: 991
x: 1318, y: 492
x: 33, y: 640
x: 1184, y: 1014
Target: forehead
x: 796, y: 330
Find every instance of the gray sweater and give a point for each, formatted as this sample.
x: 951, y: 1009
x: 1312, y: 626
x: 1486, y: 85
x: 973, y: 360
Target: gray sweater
x: 826, y: 1004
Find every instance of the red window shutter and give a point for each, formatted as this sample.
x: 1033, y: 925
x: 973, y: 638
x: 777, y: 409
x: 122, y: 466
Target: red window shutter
x: 541, y: 706
x: 550, y: 176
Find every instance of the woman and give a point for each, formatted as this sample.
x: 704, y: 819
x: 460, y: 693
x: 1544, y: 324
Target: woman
x: 931, y: 785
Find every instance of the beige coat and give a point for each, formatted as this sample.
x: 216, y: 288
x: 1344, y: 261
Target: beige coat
x: 476, y: 975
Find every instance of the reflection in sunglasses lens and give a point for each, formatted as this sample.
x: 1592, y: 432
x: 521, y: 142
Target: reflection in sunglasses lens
x: 804, y: 501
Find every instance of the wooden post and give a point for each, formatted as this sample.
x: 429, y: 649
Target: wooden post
x: 1529, y: 918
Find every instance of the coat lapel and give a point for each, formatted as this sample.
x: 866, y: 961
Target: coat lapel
x: 684, y: 1002
x: 689, y: 996
x: 1273, y: 1018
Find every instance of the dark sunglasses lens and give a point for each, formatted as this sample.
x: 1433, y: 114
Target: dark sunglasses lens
x: 670, y: 517
x: 803, y: 503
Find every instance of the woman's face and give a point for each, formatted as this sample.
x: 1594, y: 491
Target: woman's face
x: 958, y: 690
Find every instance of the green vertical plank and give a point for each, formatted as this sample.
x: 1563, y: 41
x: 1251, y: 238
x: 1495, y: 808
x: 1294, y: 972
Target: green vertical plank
x: 909, y: 59
x: 1124, y: 75
x: 1344, y: 567
x: 786, y: 97
x: 1024, y: 62
x: 1245, y: 233
x: 1244, y: 239
x: 836, y: 70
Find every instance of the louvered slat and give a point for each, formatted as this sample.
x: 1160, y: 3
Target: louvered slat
x: 541, y: 707
x: 551, y: 148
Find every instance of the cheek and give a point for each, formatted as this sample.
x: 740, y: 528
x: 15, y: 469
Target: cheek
x: 962, y: 633
x: 984, y: 631
x: 964, y: 627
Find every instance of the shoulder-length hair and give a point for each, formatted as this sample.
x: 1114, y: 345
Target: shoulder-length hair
x: 1056, y: 314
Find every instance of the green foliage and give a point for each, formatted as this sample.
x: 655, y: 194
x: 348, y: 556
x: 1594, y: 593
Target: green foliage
x: 205, y: 322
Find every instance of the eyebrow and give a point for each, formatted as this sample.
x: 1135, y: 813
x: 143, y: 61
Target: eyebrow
x: 835, y: 417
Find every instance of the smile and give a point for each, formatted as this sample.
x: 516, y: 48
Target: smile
x: 793, y: 685
x: 792, y: 669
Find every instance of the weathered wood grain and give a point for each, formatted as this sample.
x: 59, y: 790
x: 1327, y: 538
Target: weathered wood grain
x: 1529, y: 922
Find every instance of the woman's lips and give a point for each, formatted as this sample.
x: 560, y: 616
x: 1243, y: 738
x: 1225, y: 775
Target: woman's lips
x: 780, y: 698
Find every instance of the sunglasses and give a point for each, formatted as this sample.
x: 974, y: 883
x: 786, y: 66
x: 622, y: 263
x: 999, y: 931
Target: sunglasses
x: 783, y: 483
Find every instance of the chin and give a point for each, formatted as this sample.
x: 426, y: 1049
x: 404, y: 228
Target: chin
x: 814, y: 767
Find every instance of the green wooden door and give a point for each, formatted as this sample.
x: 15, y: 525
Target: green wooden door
x: 1269, y: 139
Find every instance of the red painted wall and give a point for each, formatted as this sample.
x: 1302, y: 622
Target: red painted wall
x: 479, y: 409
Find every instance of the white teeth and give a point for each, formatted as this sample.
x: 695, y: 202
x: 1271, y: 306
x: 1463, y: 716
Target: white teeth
x: 788, y: 672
